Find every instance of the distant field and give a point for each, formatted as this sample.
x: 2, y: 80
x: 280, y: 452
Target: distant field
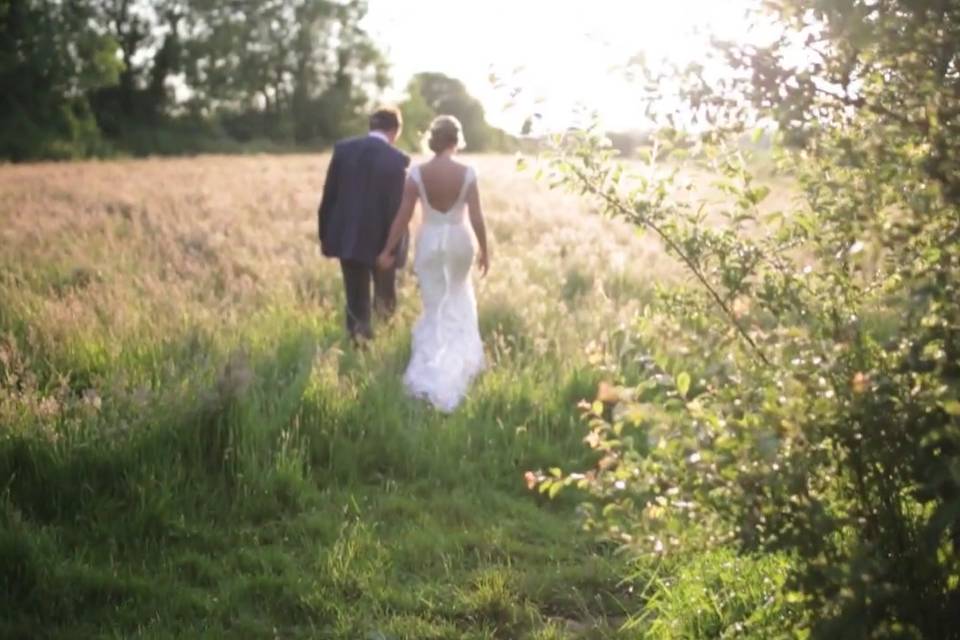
x: 189, y: 448
x: 229, y: 234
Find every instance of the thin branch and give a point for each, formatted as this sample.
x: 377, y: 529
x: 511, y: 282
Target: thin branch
x: 618, y: 206
x: 875, y: 108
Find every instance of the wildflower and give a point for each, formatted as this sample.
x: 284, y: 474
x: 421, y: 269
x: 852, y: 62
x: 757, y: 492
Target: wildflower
x: 531, y: 479
x: 607, y: 393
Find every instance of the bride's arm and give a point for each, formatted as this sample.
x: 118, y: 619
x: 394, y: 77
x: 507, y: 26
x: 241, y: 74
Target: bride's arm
x: 479, y: 227
x: 400, y: 221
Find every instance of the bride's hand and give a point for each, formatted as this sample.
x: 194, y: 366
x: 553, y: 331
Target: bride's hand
x: 483, y: 263
x: 385, y: 261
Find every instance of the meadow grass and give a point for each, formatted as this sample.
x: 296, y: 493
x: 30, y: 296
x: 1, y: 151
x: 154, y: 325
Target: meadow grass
x: 189, y: 446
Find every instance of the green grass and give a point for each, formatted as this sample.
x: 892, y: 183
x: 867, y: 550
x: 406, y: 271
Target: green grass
x: 286, y: 487
x: 720, y: 595
x: 343, y: 563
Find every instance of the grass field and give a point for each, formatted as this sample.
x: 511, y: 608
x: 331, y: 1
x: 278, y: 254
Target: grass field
x: 190, y: 448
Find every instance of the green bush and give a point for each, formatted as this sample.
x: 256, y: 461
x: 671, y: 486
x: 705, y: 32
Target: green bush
x: 801, y: 394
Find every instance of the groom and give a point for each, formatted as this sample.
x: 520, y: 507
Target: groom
x: 361, y: 195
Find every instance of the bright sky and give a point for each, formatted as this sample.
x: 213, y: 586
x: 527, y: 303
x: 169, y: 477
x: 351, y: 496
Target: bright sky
x: 563, y: 51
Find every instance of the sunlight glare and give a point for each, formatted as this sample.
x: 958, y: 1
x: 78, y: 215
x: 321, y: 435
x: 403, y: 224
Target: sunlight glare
x: 563, y: 54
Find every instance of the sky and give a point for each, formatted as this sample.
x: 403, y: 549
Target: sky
x: 563, y: 52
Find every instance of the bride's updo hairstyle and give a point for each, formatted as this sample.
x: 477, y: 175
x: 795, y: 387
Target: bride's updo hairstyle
x: 445, y: 133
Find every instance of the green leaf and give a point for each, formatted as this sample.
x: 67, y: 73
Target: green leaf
x: 759, y: 194
x: 945, y: 515
x: 683, y: 384
x: 952, y: 407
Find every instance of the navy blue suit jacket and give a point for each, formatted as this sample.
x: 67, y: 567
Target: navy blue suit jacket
x: 361, y: 196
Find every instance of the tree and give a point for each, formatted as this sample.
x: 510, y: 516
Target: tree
x: 303, y: 67
x: 417, y: 115
x: 294, y: 71
x: 820, y: 414
x: 168, y: 58
x: 432, y: 94
x: 130, y: 27
x: 50, y: 59
x: 445, y: 95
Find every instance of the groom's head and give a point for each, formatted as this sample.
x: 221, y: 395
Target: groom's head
x: 388, y: 121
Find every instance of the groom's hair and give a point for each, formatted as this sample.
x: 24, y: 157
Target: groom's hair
x: 386, y: 119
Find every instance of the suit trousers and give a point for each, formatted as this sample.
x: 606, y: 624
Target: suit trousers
x: 357, y: 277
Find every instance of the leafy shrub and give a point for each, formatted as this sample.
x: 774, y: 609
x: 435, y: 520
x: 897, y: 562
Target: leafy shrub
x: 801, y: 395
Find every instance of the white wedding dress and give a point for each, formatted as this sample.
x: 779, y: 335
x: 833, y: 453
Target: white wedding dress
x: 447, y: 351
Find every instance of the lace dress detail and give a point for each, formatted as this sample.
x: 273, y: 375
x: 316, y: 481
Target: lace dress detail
x: 447, y: 351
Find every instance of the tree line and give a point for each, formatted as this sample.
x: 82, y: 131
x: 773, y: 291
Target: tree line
x: 97, y: 77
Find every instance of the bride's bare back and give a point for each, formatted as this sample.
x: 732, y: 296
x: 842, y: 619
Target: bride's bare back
x: 442, y: 181
x: 439, y: 184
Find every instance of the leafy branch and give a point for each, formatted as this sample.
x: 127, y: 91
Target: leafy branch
x: 616, y: 205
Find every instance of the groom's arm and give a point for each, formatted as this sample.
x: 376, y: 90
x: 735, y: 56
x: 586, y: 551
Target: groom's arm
x: 329, y: 192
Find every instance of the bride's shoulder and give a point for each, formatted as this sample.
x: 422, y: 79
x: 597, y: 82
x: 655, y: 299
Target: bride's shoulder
x: 470, y: 171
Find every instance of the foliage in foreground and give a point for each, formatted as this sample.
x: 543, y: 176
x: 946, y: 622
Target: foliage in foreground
x: 802, y: 394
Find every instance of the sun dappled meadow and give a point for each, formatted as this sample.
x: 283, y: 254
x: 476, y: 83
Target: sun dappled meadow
x: 191, y: 448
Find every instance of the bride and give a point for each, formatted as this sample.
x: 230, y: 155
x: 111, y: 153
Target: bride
x: 447, y: 351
